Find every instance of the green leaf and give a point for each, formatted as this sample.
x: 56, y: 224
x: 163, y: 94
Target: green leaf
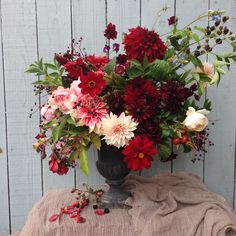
x: 215, y: 78
x: 134, y: 72
x: 164, y: 150
x: 233, y: 44
x: 73, y: 156
x: 96, y: 141
x: 207, y: 104
x: 110, y: 66
x: 196, y: 62
x: 57, y: 131
x: 200, y: 29
x: 83, y: 160
x: 187, y: 148
x: 51, y: 66
x: 32, y: 69
x: 195, y: 37
x: 201, y: 88
x: 221, y: 63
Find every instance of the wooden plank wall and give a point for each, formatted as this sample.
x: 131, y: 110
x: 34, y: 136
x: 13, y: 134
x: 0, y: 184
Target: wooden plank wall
x: 30, y: 29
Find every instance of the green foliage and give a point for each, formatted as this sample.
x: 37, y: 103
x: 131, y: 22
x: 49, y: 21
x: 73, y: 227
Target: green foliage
x: 164, y: 150
x: 84, y: 160
x: 57, y: 132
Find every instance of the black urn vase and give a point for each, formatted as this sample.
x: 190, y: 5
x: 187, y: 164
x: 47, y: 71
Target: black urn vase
x: 110, y: 165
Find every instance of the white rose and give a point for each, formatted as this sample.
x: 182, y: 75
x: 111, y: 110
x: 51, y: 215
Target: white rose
x: 196, y: 120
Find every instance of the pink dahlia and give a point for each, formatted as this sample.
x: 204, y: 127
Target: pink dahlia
x: 118, y: 130
x: 90, y: 112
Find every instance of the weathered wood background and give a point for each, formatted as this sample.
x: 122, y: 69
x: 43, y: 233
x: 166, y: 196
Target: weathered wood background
x: 31, y: 29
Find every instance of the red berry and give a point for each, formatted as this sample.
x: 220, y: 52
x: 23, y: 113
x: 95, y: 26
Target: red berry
x: 184, y: 131
x: 184, y: 139
x: 176, y: 141
x: 99, y: 212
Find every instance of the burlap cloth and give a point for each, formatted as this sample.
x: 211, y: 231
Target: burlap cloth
x: 166, y: 205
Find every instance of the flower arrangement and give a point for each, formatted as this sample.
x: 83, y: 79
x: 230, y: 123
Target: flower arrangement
x: 145, y: 101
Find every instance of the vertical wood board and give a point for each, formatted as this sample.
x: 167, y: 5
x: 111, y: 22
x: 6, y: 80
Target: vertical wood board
x: 19, y: 40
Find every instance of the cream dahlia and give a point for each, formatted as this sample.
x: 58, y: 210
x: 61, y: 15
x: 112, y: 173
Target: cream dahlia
x: 118, y: 130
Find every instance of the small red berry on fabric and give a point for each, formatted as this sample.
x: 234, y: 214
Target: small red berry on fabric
x: 99, y: 212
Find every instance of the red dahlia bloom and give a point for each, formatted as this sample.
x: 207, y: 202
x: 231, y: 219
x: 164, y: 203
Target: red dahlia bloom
x: 138, y: 153
x: 141, y: 98
x: 74, y: 68
x: 98, y: 62
x: 92, y: 83
x: 110, y: 31
x: 140, y: 42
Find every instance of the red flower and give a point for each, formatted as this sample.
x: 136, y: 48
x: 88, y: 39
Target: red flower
x: 54, y: 217
x: 121, y: 59
x: 63, y: 169
x: 140, y: 42
x: 54, y: 163
x: 57, y: 166
x: 61, y: 59
x: 138, y: 153
x: 110, y: 31
x: 119, y: 69
x: 98, y: 62
x: 171, y: 20
x: 92, y: 83
x: 74, y: 68
x: 141, y: 98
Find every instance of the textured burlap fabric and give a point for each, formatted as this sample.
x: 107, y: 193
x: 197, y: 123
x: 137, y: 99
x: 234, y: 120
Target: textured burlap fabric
x: 166, y: 205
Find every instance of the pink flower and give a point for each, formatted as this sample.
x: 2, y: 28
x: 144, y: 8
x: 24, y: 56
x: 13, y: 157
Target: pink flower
x: 63, y: 99
x: 90, y: 112
x: 47, y: 114
x: 74, y: 88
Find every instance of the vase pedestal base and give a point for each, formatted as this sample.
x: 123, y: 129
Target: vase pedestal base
x: 115, y: 197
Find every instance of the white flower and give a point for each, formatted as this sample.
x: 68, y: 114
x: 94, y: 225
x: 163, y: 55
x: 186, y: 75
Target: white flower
x: 196, y: 120
x: 118, y: 131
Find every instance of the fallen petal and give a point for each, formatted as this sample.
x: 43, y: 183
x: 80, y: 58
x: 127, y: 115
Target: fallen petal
x: 54, y: 217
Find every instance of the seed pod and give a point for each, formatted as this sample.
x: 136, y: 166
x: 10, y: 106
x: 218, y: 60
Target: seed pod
x: 226, y: 30
x: 197, y: 53
x: 219, y: 41
x: 217, y: 23
x: 225, y: 18
x: 212, y: 28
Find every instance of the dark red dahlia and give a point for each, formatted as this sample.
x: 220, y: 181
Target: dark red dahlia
x: 172, y: 20
x: 115, y: 102
x: 92, y: 83
x: 97, y: 61
x: 74, y: 68
x: 121, y: 59
x: 110, y: 31
x: 141, y: 98
x: 61, y: 59
x: 173, y: 94
x: 151, y: 129
x: 140, y: 42
x: 138, y: 153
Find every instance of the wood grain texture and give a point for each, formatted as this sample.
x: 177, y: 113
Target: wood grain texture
x: 124, y: 14
x: 183, y: 162
x: 219, y: 162
x: 149, y: 13
x: 88, y: 21
x: 4, y: 204
x: 54, y: 35
x: 19, y: 34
